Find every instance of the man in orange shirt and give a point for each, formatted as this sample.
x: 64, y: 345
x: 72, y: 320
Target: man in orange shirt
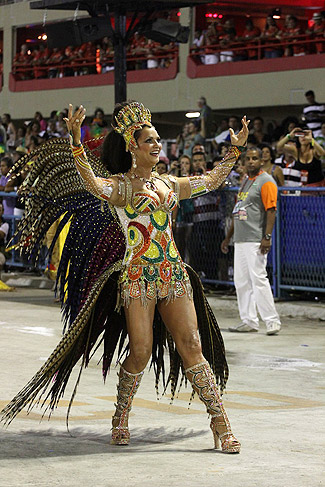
x: 253, y: 221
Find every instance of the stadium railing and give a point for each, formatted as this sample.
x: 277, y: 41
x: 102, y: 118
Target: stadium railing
x: 90, y: 63
x: 258, y: 46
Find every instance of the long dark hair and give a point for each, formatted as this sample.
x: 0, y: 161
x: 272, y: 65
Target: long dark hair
x: 263, y: 145
x: 114, y: 155
x: 8, y: 161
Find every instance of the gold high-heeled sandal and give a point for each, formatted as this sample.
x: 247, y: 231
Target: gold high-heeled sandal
x: 120, y: 433
x: 204, y: 384
x: 226, y: 441
x: 126, y: 390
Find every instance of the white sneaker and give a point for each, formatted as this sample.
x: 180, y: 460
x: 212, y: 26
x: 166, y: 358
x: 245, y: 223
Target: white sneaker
x: 273, y: 328
x: 242, y: 328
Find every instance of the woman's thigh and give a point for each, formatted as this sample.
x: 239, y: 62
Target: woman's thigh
x: 139, y: 322
x: 180, y: 319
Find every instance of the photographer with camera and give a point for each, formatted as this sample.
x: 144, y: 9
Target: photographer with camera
x: 309, y: 156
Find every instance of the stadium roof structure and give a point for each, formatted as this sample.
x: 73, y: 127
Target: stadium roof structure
x: 119, y: 34
x: 101, y: 6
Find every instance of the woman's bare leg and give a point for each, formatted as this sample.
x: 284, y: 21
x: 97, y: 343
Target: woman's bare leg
x: 180, y: 318
x: 139, y: 322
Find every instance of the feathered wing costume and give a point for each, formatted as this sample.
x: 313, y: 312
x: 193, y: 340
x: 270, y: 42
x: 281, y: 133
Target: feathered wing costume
x: 87, y: 279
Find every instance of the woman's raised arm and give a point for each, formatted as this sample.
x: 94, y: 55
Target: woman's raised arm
x: 194, y: 186
x: 104, y: 189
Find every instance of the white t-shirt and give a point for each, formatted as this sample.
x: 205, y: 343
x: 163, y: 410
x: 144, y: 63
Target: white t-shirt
x: 198, y: 41
x: 4, y: 227
x: 222, y: 137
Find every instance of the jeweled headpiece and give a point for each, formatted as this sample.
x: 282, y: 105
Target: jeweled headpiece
x: 130, y: 119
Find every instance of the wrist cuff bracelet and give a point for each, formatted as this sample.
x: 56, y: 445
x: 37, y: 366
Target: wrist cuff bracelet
x: 72, y: 141
x: 241, y: 148
x: 237, y: 150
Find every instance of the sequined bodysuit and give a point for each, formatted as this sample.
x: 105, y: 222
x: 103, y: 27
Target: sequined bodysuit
x: 153, y: 268
x: 152, y: 265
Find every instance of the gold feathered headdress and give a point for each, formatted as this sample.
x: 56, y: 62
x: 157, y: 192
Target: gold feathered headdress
x: 131, y: 118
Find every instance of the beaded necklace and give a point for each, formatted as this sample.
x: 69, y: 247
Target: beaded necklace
x: 148, y: 182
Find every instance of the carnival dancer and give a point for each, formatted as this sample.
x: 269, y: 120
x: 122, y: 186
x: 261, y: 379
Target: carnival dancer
x: 127, y: 278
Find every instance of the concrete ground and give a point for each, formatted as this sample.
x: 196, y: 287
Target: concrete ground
x: 275, y: 401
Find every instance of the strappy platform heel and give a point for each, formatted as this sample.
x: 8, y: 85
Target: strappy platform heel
x: 126, y: 390
x: 226, y: 441
x: 120, y: 433
x: 204, y: 384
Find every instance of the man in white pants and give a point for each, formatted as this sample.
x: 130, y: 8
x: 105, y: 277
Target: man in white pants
x: 253, y: 221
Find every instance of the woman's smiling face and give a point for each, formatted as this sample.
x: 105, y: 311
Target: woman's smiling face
x: 148, y: 147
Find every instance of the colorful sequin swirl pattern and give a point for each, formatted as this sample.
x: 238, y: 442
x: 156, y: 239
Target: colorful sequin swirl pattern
x: 153, y: 268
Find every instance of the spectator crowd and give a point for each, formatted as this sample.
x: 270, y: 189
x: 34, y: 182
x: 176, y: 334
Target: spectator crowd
x: 222, y: 41
x: 291, y: 151
x: 90, y: 58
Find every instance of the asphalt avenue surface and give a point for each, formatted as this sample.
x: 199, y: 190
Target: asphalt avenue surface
x: 275, y: 401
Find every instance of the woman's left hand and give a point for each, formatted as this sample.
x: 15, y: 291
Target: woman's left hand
x: 241, y: 137
x: 308, y: 135
x: 74, y: 122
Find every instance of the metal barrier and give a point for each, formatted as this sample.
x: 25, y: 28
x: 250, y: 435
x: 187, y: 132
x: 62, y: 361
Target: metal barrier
x: 297, y: 257
x: 300, y: 240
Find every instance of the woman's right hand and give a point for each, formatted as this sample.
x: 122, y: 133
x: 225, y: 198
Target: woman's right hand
x: 296, y: 130
x: 240, y: 138
x: 74, y: 122
x: 308, y: 136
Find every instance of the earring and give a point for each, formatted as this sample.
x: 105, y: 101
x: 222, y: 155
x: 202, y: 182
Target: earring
x: 134, y: 160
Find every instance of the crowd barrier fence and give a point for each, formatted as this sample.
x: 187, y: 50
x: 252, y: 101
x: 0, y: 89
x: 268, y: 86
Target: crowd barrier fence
x: 297, y: 258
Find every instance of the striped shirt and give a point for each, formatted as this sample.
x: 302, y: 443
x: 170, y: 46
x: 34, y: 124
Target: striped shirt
x: 315, y: 115
x: 292, y: 176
